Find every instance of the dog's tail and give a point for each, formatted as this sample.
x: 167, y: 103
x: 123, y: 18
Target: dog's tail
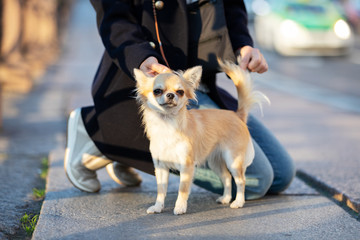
x: 247, y: 97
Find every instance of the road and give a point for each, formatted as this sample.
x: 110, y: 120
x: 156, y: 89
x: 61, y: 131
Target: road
x: 339, y: 74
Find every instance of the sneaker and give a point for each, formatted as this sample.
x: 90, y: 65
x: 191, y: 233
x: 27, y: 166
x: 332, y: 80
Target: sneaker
x: 82, y: 157
x: 123, y: 174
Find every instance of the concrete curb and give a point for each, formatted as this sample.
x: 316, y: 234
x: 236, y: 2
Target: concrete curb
x: 338, y: 196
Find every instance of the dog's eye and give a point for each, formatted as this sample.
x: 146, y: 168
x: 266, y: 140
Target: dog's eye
x: 180, y: 92
x: 158, y: 92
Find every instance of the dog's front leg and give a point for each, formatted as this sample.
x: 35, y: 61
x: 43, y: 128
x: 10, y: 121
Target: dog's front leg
x: 162, y: 179
x: 186, y: 177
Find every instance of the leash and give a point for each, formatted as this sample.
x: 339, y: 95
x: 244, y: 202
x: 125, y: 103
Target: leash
x: 158, y: 35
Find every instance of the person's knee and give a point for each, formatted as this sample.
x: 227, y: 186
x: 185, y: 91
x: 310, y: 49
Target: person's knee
x: 283, y: 180
x: 257, y: 187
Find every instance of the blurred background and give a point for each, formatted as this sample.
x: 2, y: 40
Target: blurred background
x: 315, y: 42
x: 301, y: 27
x: 30, y: 34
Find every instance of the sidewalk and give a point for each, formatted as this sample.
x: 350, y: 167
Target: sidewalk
x: 118, y: 212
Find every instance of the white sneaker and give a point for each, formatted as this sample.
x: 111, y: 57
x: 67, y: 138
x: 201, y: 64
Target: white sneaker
x: 123, y: 174
x: 82, y: 157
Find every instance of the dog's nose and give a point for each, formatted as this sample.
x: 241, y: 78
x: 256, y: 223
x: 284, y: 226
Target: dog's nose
x: 170, y: 96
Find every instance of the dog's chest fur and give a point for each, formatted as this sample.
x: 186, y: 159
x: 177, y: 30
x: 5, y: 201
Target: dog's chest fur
x: 168, y: 145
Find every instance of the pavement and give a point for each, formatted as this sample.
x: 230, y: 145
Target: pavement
x: 321, y: 203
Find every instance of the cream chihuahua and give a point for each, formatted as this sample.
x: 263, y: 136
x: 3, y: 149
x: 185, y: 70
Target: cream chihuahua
x: 182, y: 139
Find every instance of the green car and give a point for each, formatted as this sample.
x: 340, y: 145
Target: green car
x: 303, y: 28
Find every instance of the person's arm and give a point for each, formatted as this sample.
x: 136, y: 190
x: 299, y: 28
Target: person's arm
x: 122, y: 34
x: 243, y: 45
x: 237, y: 23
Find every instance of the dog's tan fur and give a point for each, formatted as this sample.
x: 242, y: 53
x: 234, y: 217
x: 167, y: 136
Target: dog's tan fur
x: 181, y: 139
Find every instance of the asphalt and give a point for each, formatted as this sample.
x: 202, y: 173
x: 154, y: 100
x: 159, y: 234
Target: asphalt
x: 322, y: 139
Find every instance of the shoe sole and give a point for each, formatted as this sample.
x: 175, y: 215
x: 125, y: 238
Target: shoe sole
x: 110, y: 171
x: 71, y: 136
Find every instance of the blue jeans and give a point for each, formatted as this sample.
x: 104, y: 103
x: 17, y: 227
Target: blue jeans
x: 271, y: 171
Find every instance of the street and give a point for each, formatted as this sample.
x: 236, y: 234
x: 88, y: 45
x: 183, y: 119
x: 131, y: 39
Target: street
x: 340, y: 74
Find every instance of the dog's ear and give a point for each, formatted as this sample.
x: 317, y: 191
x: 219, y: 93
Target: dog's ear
x: 143, y: 82
x: 193, y: 76
x: 140, y: 77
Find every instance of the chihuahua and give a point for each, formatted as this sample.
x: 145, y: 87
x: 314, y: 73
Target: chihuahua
x: 181, y: 139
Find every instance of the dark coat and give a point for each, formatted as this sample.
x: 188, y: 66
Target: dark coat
x: 127, y: 31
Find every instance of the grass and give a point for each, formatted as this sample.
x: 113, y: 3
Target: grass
x: 38, y: 193
x: 28, y: 223
x: 44, y: 167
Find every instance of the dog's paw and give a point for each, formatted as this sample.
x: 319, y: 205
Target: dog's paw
x: 180, y: 208
x: 224, y: 200
x: 237, y: 204
x: 154, y: 209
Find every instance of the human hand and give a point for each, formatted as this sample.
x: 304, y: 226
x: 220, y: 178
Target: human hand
x: 252, y: 59
x: 152, y: 67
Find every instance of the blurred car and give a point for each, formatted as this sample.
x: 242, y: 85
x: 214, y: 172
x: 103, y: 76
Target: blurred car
x: 294, y: 27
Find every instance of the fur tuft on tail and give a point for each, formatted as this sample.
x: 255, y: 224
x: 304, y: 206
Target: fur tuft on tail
x: 247, y: 97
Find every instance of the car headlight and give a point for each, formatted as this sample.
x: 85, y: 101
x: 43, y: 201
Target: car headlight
x: 342, y: 29
x: 289, y: 29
